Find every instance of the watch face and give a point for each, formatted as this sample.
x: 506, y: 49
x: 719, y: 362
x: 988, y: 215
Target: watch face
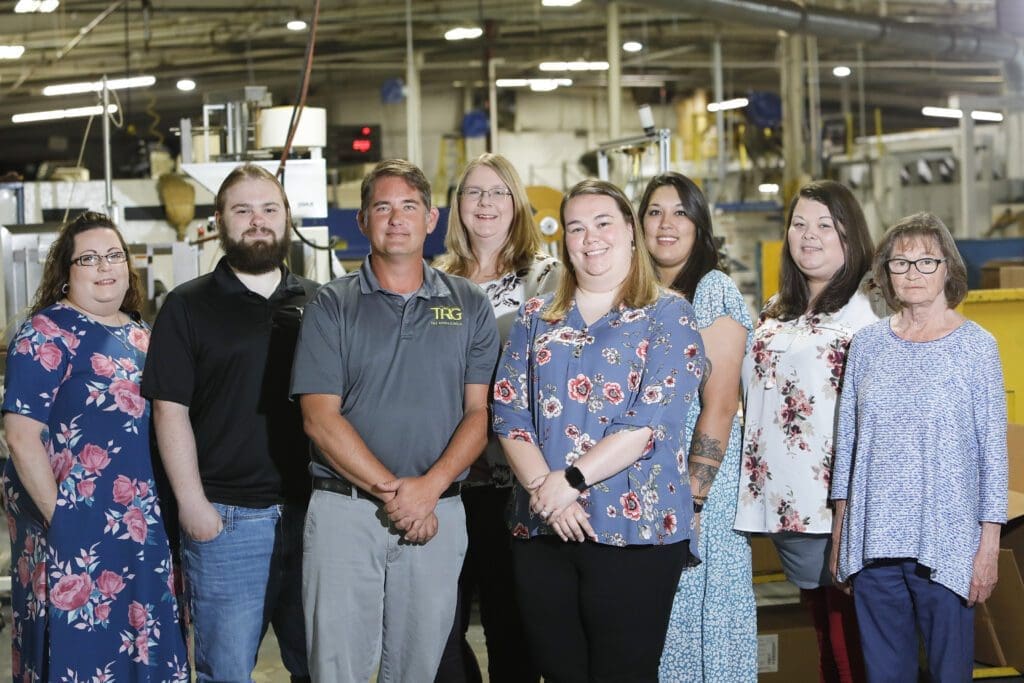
x: 575, y: 478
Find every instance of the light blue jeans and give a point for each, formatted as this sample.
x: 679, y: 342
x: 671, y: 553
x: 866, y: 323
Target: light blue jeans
x: 241, y: 581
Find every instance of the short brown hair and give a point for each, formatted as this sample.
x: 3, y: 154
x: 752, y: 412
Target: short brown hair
x: 399, y: 168
x: 640, y: 287
x: 250, y: 172
x: 523, y: 241
x: 57, y: 270
x: 921, y: 226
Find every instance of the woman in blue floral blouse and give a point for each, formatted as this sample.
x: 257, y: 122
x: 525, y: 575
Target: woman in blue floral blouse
x: 590, y: 401
x: 92, y: 592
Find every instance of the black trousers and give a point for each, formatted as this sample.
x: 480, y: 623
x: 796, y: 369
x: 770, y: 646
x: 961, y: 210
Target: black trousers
x: 487, y: 571
x: 595, y: 612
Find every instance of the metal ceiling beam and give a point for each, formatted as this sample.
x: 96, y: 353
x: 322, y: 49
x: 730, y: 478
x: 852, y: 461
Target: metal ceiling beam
x: 914, y: 38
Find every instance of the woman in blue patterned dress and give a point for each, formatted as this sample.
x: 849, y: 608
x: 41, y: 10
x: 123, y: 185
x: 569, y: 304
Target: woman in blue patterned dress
x: 92, y: 578
x: 590, y: 401
x: 712, y: 635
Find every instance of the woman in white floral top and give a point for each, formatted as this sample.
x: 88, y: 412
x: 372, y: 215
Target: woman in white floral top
x: 493, y: 241
x: 793, y: 375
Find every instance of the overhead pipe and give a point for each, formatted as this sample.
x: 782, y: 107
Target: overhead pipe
x: 845, y: 26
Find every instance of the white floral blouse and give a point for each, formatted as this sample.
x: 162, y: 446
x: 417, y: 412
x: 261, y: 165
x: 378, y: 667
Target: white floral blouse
x: 792, y: 375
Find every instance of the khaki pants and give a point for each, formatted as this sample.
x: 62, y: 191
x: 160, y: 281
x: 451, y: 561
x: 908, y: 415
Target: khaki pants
x: 368, y: 596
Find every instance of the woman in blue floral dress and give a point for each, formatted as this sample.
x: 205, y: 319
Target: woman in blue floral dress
x: 92, y: 576
x: 712, y: 635
x: 590, y: 401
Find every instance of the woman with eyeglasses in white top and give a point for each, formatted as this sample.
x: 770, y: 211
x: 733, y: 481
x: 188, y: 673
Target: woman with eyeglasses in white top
x: 493, y: 241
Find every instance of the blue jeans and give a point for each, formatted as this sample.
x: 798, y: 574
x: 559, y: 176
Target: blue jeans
x: 247, y: 577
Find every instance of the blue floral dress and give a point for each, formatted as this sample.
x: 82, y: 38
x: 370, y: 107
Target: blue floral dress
x: 92, y: 594
x: 712, y: 633
x: 565, y: 385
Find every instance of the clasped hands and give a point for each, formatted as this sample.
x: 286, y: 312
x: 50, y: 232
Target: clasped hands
x: 410, y: 507
x: 556, y: 502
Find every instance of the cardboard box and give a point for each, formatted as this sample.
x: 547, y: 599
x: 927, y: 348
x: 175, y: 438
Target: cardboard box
x: 787, y: 647
x: 764, y: 557
x: 1002, y: 274
x: 999, y: 622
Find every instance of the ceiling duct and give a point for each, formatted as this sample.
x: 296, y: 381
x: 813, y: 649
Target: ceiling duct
x: 930, y: 39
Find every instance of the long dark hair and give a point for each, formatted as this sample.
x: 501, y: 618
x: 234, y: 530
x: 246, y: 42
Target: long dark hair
x: 793, y: 299
x: 703, y: 257
x: 57, y: 270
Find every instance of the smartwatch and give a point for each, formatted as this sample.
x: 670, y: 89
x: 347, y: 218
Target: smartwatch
x: 575, y: 479
x: 697, y: 506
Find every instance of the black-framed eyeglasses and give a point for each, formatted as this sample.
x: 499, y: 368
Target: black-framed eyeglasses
x: 925, y: 266
x: 475, y: 194
x: 93, y: 260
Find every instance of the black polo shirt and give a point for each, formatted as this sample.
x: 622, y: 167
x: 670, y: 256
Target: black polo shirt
x: 226, y: 353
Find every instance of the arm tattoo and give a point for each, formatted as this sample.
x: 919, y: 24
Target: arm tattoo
x: 703, y: 474
x: 706, y: 376
x: 707, y: 447
x: 710, y: 452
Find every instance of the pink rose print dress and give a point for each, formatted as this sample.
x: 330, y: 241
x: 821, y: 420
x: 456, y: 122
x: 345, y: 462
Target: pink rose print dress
x: 92, y: 593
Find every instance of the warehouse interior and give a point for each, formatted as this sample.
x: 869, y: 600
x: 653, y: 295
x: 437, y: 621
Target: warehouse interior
x: 913, y: 104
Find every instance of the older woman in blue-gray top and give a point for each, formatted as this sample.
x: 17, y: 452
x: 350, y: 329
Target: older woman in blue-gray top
x: 920, y: 472
x: 590, y: 402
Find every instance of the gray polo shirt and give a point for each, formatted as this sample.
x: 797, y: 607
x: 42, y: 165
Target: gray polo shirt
x: 400, y: 366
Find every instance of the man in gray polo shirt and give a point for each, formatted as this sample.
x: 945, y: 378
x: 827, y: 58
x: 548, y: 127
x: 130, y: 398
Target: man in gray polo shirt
x: 393, y: 366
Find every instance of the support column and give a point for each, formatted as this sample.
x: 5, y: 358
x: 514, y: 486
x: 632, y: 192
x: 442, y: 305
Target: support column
x: 414, y: 143
x: 614, y: 73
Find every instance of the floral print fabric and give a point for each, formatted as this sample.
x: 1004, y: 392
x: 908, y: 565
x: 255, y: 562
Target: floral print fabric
x: 712, y: 632
x: 506, y: 295
x: 92, y: 594
x: 565, y: 385
x: 792, y: 376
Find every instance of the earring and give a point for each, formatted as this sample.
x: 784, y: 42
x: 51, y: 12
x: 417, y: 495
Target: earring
x: 64, y: 289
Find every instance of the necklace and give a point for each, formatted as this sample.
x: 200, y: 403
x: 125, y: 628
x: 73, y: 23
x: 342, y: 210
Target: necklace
x: 118, y: 332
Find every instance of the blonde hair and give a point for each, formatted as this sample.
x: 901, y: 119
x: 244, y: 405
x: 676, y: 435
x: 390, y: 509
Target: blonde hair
x: 523, y: 240
x: 639, y: 289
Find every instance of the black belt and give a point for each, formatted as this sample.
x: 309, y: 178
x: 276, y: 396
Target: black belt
x: 345, y: 488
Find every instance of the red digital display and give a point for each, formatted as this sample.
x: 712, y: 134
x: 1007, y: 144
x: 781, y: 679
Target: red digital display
x: 362, y: 146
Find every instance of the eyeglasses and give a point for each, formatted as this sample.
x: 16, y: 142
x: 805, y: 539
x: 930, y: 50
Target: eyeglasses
x: 92, y: 260
x: 475, y: 194
x: 925, y: 266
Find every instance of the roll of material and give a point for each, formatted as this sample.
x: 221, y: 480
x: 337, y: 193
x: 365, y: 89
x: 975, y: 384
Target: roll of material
x: 272, y: 129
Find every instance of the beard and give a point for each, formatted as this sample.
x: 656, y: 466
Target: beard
x: 254, y: 258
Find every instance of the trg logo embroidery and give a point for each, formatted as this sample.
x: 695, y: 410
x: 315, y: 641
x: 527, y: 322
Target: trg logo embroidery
x: 446, y: 315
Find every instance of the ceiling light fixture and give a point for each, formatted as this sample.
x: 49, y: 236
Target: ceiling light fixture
x: 841, y: 71
x: 578, y: 65
x: 950, y: 113
x: 559, y: 3
x: 535, y: 84
x: 296, y: 25
x: 11, y: 51
x: 725, y: 105
x: 186, y: 84
x: 42, y: 6
x: 632, y: 46
x: 463, y: 33
x: 54, y: 114
x: 97, y: 86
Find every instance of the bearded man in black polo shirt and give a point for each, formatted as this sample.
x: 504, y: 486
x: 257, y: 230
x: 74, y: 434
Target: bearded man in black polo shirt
x: 232, y: 443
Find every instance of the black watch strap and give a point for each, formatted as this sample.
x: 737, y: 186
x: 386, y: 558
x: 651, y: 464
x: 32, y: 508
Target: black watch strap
x: 575, y: 478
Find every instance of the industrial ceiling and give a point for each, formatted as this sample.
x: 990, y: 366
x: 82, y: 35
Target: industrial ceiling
x: 227, y: 43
